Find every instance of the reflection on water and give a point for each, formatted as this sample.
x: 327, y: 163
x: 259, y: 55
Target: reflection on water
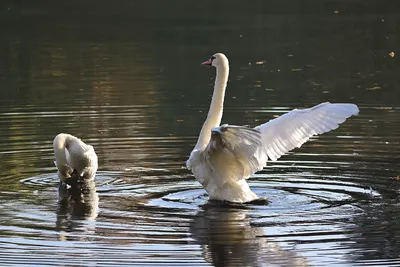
x: 77, y: 205
x: 228, y: 238
x: 126, y: 77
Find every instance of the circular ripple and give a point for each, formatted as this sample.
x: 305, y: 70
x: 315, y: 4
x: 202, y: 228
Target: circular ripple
x: 286, y: 193
x: 143, y: 206
x: 51, y: 179
x: 44, y: 180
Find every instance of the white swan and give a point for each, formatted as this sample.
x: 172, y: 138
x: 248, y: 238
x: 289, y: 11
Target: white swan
x: 74, y: 157
x: 225, y: 156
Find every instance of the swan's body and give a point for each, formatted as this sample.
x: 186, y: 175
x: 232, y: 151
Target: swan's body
x: 74, y: 157
x: 225, y: 156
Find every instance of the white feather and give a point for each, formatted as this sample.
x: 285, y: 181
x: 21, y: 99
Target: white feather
x: 73, y: 155
x: 294, y: 128
x: 226, y: 155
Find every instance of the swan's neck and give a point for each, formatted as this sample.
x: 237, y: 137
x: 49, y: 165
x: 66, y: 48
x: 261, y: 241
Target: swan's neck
x: 216, y: 108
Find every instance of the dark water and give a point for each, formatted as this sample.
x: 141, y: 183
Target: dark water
x: 126, y: 78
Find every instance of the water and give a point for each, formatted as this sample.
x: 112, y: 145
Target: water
x: 126, y: 78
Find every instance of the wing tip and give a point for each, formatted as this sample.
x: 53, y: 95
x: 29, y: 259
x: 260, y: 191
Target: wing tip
x: 356, y: 109
x: 351, y: 108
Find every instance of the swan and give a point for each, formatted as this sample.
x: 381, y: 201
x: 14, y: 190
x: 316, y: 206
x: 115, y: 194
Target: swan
x: 74, y: 157
x: 226, y: 155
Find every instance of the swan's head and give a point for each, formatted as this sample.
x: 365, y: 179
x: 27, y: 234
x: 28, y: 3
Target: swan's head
x: 217, y: 60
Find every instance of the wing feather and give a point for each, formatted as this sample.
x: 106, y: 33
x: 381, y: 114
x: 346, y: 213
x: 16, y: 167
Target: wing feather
x: 236, y: 152
x: 294, y: 128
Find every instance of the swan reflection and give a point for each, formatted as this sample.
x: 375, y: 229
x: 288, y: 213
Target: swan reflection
x: 227, y: 238
x: 77, y: 204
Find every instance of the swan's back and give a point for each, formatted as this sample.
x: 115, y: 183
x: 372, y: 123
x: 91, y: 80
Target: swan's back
x: 82, y: 158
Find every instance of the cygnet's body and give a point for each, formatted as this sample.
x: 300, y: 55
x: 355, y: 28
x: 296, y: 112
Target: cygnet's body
x: 74, y: 157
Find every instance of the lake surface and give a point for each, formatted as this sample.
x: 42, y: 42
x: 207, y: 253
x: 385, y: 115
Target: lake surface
x: 126, y: 78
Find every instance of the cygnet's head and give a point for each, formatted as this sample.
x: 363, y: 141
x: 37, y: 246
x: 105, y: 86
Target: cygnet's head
x: 217, y: 60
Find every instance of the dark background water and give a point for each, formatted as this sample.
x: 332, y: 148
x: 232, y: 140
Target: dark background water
x: 125, y: 76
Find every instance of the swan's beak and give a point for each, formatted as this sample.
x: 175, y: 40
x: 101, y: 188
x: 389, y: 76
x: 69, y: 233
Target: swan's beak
x: 208, y: 62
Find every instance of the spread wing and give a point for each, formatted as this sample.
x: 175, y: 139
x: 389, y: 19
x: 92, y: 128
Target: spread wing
x: 294, y: 128
x: 236, y: 152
